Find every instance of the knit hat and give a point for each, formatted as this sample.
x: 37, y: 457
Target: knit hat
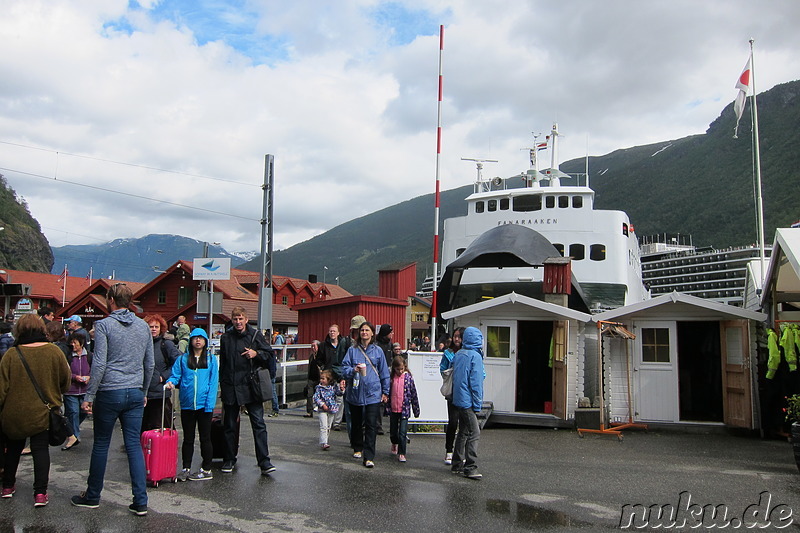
x: 357, y: 321
x: 385, y: 330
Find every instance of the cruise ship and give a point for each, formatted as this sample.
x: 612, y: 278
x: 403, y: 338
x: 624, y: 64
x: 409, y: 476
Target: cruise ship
x: 670, y: 262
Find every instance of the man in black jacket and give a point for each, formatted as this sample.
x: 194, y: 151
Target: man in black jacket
x: 242, y: 348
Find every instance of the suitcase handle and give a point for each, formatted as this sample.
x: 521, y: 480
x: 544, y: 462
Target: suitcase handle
x: 164, y: 409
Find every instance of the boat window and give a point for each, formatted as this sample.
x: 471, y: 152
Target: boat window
x: 625, y: 229
x: 498, y: 341
x: 655, y: 345
x: 460, y: 251
x: 577, y: 202
x: 560, y: 248
x: 597, y: 252
x: 492, y: 205
x: 504, y: 204
x: 576, y: 251
x: 563, y: 201
x: 528, y: 202
x: 550, y: 202
x: 479, y: 207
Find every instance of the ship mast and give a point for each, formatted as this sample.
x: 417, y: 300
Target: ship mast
x: 480, y: 184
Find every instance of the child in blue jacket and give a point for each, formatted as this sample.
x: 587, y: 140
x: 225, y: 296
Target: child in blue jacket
x: 196, y: 374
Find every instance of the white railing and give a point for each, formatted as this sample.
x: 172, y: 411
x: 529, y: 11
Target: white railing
x: 287, y: 357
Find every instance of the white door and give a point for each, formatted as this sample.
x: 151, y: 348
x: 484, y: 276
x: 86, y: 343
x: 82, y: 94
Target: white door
x: 656, y: 372
x: 500, y: 361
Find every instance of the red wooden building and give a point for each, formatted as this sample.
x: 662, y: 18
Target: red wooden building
x: 174, y: 293
x: 389, y: 307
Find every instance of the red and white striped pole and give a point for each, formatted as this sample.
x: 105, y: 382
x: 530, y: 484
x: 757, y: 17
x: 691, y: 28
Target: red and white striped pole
x: 434, y: 309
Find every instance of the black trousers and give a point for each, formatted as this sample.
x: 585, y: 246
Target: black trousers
x: 201, y: 420
x: 40, y: 451
x: 151, y: 419
x: 363, y: 428
x: 452, y: 426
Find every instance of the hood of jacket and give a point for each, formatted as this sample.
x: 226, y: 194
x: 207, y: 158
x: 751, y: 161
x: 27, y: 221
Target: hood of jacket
x: 123, y: 316
x: 183, y: 332
x: 473, y: 340
x: 197, y: 332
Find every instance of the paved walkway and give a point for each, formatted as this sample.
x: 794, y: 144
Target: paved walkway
x: 533, y: 479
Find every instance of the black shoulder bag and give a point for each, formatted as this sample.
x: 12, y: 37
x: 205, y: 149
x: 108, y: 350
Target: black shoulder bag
x: 57, y: 430
x: 260, y: 379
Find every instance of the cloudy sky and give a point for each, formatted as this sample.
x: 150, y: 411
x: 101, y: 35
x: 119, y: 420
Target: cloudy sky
x: 106, y: 105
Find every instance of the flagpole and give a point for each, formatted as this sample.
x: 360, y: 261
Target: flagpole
x: 757, y: 153
x: 434, y: 301
x: 64, y: 287
x: 90, y: 275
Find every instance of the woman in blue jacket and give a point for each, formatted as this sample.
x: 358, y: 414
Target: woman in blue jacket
x: 367, y: 374
x: 196, y: 374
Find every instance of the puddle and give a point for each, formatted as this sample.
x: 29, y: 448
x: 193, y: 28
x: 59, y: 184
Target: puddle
x: 532, y: 517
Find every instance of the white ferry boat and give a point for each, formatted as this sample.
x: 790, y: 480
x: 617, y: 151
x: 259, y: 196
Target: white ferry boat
x: 483, y: 258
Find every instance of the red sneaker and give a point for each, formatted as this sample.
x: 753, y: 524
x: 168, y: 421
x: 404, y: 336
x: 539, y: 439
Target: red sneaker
x: 8, y: 492
x: 40, y: 500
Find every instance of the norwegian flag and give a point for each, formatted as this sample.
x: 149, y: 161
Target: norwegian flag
x: 744, y: 84
x: 64, y: 274
x: 541, y: 146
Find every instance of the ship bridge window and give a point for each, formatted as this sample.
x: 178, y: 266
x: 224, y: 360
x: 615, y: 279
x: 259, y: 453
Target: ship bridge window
x: 563, y: 201
x: 479, y: 207
x: 625, y: 229
x: 577, y: 251
x: 504, y: 203
x: 492, y: 205
x: 577, y: 202
x: 597, y: 252
x: 560, y: 248
x: 550, y: 202
x: 528, y: 202
x: 460, y: 251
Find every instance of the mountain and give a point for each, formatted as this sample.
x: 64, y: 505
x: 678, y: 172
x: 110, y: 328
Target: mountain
x: 700, y: 185
x: 133, y: 259
x: 23, y: 246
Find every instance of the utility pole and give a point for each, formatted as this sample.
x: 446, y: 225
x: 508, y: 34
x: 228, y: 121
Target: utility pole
x: 265, y: 285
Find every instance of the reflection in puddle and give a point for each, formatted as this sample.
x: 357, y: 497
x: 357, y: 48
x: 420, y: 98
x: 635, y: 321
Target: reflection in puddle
x: 530, y: 516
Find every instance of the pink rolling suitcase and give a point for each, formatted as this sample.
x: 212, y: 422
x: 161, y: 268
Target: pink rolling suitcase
x: 160, y: 447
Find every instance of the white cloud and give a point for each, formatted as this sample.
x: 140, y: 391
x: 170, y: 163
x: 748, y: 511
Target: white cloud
x: 349, y: 115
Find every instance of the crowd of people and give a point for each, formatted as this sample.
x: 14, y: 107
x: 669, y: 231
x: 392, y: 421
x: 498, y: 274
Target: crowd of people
x: 125, y: 369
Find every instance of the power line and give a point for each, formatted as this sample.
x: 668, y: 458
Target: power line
x: 57, y: 180
x: 147, y: 167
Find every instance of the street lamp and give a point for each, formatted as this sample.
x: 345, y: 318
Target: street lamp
x: 324, y: 271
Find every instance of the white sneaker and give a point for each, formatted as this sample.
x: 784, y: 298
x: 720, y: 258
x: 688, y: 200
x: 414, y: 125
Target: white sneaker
x: 448, y: 459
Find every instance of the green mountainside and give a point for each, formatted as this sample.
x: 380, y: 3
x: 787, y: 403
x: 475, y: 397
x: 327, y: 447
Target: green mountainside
x: 700, y: 185
x: 22, y: 244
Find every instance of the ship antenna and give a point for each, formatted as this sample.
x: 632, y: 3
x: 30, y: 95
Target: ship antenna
x: 535, y: 148
x: 480, y: 185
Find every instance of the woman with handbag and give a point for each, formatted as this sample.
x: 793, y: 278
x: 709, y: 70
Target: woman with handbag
x: 445, y: 366
x: 367, y: 374
x: 33, y: 376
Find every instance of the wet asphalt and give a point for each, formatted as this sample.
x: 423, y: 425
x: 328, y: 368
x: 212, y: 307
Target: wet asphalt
x: 534, y: 479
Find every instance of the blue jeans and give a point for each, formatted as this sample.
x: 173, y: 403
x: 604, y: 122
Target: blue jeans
x: 127, y: 405
x: 398, y: 431
x: 275, y: 396
x: 75, y: 415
